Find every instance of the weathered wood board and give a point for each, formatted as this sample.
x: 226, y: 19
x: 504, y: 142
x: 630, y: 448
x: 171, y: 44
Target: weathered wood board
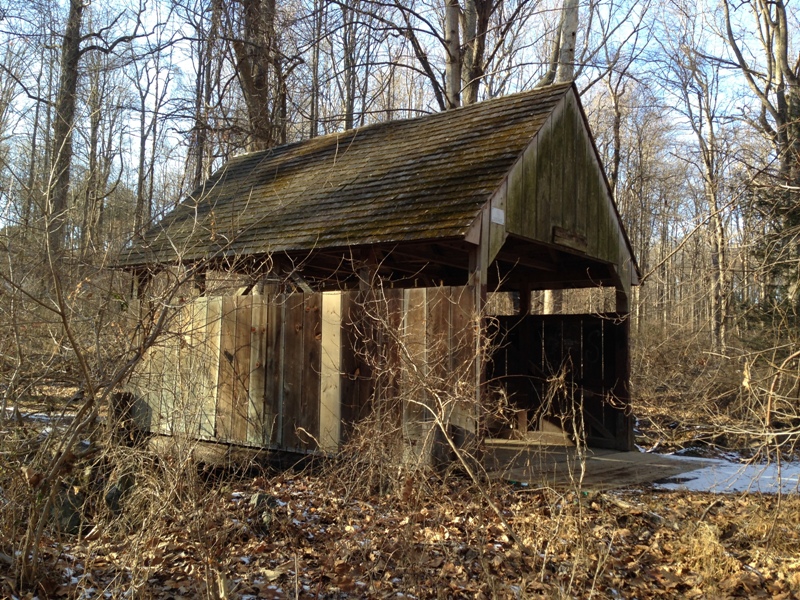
x: 330, y: 404
x: 557, y: 194
x: 415, y: 365
x: 289, y: 371
x: 227, y: 372
x: 208, y: 401
x: 257, y: 417
x: 293, y: 370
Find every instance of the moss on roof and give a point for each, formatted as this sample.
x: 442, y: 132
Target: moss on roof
x: 412, y: 180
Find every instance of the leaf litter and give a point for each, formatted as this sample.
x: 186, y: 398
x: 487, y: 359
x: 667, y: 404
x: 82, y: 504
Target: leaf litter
x: 437, y: 539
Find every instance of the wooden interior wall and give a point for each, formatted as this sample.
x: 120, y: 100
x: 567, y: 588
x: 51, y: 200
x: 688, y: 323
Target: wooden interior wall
x: 557, y: 193
x: 534, y: 350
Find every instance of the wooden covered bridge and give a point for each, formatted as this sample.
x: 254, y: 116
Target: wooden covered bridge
x: 337, y: 276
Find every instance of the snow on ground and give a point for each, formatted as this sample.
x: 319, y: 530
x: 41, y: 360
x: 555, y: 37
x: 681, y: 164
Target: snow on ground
x: 723, y: 476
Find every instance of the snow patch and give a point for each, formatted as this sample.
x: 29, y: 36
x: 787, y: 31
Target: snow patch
x: 726, y: 477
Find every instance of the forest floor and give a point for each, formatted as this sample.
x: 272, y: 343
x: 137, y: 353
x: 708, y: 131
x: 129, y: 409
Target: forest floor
x: 344, y: 530
x: 439, y: 540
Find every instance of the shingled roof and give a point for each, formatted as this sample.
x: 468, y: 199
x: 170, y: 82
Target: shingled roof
x: 402, y: 181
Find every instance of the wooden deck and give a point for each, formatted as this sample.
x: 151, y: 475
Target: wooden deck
x: 561, y: 466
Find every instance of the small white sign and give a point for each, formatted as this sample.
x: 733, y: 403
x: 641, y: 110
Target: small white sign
x: 498, y: 216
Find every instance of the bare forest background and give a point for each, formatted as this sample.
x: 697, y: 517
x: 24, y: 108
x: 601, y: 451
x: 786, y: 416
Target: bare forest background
x: 110, y: 114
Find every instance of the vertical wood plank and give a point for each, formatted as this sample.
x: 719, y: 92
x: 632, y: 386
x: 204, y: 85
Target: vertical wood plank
x: 154, y: 388
x: 293, y: 369
x: 211, y: 366
x: 351, y: 370
x: 462, y: 331
x: 388, y: 388
x: 170, y: 380
x: 612, y: 235
x: 241, y: 368
x: 138, y: 382
x: 415, y: 414
x: 257, y: 385
x: 580, y: 168
x: 602, y: 217
x: 591, y: 196
x: 194, y: 375
x: 310, y: 401
x: 541, y: 175
x: 437, y: 333
x: 556, y: 141
x: 497, y: 221
x: 180, y: 362
x: 516, y: 205
x: 227, y: 357
x: 554, y: 179
x: 131, y: 319
x: 274, y: 367
x: 530, y: 213
x: 569, y: 173
x: 330, y: 372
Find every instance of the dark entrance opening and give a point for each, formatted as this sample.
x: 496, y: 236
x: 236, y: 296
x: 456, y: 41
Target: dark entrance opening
x: 561, y: 373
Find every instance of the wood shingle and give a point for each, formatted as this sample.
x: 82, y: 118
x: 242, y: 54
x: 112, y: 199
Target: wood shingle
x: 401, y: 181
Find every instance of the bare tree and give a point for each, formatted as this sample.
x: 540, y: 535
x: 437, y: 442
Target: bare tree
x: 695, y: 82
x: 771, y: 74
x: 263, y: 67
x: 151, y: 81
x: 760, y: 36
x: 62, y: 127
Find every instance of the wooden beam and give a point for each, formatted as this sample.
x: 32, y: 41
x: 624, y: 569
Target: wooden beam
x: 510, y: 261
x: 479, y: 270
x: 330, y: 397
x: 432, y: 255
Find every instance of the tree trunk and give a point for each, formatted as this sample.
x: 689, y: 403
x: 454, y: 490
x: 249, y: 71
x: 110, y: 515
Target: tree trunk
x: 719, y: 261
x: 313, y: 117
x: 92, y: 192
x: 453, y: 48
x: 616, y: 136
x: 568, y: 34
x: 349, y: 66
x: 62, y: 129
x: 475, y: 25
x: 258, y: 68
x: 31, y: 183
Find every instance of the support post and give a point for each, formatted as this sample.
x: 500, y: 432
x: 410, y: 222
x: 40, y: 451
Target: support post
x: 141, y: 279
x: 479, y: 271
x: 524, y: 299
x: 622, y: 356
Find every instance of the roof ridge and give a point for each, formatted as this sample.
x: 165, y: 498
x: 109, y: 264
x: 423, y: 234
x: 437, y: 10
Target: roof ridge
x: 539, y: 91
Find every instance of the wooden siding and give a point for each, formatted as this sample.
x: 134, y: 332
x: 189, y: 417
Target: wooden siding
x: 330, y: 372
x: 557, y: 193
x: 290, y: 371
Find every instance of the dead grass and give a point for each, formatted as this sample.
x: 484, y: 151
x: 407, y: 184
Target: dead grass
x: 186, y: 532
x: 687, y: 396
